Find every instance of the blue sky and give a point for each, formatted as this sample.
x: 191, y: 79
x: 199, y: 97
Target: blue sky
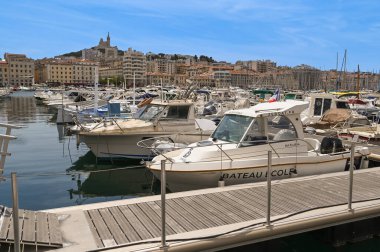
x: 287, y: 32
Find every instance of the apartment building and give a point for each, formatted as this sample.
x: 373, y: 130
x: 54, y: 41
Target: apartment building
x: 261, y: 66
x: 222, y: 78
x: 167, y: 79
x: 203, y: 80
x: 4, y: 80
x: 85, y: 72
x: 112, y: 74
x: 134, y: 67
x: 20, y: 69
x: 241, y: 78
x: 56, y: 71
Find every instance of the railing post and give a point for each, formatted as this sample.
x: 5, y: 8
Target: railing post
x: 351, y: 177
x: 16, y: 231
x: 269, y: 189
x: 163, y: 204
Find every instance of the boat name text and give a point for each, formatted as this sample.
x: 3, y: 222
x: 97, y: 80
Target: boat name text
x: 259, y: 174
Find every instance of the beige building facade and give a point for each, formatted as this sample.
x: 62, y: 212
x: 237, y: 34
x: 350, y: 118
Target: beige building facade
x: 20, y: 69
x: 4, y: 71
x: 134, y: 67
x: 55, y: 71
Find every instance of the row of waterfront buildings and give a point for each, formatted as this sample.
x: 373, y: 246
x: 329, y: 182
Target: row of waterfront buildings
x: 107, y: 64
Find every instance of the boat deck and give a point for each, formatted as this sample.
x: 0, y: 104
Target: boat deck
x: 223, y: 217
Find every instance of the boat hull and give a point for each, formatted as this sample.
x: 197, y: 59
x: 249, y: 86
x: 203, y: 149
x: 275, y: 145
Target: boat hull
x: 250, y: 171
x: 125, y: 146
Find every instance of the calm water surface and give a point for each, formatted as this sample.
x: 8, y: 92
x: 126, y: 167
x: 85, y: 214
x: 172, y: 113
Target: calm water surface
x: 52, y: 170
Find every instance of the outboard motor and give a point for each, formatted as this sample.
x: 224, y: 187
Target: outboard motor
x: 331, y: 145
x: 79, y: 98
x: 209, y: 110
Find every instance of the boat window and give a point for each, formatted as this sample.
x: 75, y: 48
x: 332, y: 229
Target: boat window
x: 151, y: 112
x: 178, y: 112
x: 232, y: 128
x: 318, y: 106
x: 326, y: 105
x: 281, y: 128
x: 256, y: 133
x: 321, y: 106
x: 342, y: 104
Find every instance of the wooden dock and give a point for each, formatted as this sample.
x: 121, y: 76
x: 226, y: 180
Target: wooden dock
x: 37, y: 229
x: 222, y: 217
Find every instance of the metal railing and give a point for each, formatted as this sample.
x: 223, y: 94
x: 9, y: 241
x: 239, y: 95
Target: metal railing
x: 268, y: 222
x: 4, y: 141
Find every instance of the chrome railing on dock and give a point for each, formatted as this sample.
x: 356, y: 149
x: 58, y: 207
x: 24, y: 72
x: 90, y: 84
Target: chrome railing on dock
x: 4, y: 141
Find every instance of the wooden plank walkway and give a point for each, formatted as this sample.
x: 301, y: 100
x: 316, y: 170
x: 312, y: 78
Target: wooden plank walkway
x: 130, y: 223
x: 36, y: 228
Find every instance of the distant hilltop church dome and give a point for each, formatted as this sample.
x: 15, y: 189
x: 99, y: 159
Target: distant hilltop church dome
x: 103, y: 43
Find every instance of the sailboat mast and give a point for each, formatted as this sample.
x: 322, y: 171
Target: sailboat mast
x: 358, y: 81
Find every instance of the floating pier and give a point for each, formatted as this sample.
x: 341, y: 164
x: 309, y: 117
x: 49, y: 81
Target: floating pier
x: 224, y: 217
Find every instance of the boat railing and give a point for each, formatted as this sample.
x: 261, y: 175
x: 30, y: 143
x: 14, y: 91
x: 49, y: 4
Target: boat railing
x: 163, y: 144
x: 345, y: 125
x: 4, y: 141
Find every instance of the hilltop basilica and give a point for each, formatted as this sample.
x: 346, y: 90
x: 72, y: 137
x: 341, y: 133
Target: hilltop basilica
x: 103, y: 52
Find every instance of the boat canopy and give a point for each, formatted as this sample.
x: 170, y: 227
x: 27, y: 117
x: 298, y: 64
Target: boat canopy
x: 272, y: 109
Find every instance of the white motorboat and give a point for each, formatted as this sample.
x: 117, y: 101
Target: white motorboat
x: 118, y: 138
x: 237, y: 151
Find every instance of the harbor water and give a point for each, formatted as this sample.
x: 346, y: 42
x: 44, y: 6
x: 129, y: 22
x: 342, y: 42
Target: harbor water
x: 54, y: 171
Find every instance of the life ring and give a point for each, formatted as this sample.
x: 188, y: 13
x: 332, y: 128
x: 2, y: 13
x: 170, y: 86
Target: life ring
x: 145, y: 102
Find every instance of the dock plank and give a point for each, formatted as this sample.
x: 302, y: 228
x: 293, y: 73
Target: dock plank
x: 54, y: 231
x: 94, y: 231
x: 153, y: 228
x: 135, y: 222
x: 180, y: 225
x: 114, y: 228
x: 5, y: 226
x: 11, y: 229
x: 104, y: 234
x: 248, y: 209
x: 234, y: 210
x: 209, y: 207
x: 125, y: 226
x: 197, y: 210
x: 187, y: 216
x: 155, y: 217
x: 29, y: 228
x: 42, y: 228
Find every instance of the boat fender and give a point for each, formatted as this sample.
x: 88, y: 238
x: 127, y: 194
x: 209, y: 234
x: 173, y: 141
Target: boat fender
x: 221, y: 182
x: 364, y: 162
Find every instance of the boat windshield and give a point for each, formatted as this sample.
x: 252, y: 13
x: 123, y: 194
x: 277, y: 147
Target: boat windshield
x: 151, y: 112
x: 232, y: 128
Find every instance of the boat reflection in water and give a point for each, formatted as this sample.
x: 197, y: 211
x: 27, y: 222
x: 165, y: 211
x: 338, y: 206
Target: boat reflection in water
x: 107, y: 179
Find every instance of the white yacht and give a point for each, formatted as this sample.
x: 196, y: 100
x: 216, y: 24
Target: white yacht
x: 237, y: 151
x: 118, y: 138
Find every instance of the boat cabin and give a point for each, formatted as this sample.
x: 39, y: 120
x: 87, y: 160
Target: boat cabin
x: 262, y: 123
x: 167, y: 110
x: 319, y: 103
